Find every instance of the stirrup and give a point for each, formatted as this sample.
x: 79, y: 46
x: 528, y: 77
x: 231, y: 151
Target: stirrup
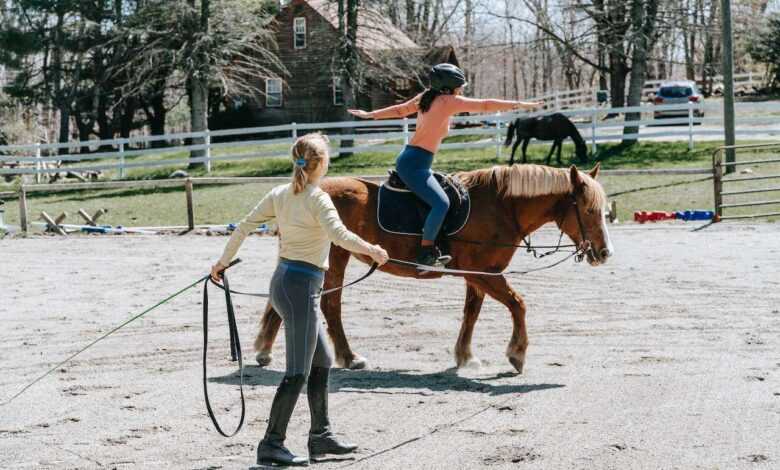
x: 431, y: 256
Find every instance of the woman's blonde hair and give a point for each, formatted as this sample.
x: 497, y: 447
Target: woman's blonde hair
x: 307, y: 154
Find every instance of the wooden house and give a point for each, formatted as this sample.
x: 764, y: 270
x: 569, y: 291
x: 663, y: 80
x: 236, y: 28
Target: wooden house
x: 307, y: 35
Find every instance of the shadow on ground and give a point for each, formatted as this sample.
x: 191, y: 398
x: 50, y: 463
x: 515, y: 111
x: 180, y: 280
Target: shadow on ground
x: 377, y: 381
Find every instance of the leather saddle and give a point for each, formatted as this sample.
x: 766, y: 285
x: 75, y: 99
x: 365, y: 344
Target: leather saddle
x: 401, y: 212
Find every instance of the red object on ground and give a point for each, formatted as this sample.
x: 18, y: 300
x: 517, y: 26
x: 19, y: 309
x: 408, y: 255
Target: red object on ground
x: 652, y: 216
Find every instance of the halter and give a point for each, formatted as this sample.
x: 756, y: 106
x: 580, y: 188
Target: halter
x: 585, y: 246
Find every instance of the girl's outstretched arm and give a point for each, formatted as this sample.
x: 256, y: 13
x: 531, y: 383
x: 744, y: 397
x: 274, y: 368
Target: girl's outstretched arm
x: 461, y: 104
x: 396, y: 111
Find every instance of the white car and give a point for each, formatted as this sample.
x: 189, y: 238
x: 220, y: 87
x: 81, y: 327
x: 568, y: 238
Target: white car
x: 677, y: 93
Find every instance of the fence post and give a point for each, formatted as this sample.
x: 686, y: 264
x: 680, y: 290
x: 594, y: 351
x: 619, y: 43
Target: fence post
x: 294, y: 131
x: 190, y: 210
x: 498, y: 135
x: 717, y: 180
x: 23, y: 209
x: 207, y: 153
x: 593, y: 118
x: 121, y: 159
x: 38, y: 165
x: 406, y: 131
x: 690, y: 125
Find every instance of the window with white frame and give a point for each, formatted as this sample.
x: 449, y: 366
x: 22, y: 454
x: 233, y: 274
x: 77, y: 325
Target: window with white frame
x: 403, y: 84
x: 338, y: 92
x: 273, y: 92
x: 299, y: 33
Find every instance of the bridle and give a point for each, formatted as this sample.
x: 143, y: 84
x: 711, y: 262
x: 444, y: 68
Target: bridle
x: 585, y: 246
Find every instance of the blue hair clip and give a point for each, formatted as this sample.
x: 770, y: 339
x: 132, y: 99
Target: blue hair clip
x: 300, y: 162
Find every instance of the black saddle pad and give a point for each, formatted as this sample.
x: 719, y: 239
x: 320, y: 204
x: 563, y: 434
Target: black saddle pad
x: 399, y: 211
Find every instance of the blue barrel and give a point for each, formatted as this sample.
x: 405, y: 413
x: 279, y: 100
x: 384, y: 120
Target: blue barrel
x: 702, y: 215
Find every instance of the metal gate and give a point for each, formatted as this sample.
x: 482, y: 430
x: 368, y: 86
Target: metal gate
x: 738, y: 187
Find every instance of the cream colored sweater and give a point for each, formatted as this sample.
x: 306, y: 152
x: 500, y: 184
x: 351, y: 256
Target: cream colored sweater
x: 308, y: 223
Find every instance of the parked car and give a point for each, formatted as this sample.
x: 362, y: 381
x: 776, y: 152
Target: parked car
x: 677, y: 93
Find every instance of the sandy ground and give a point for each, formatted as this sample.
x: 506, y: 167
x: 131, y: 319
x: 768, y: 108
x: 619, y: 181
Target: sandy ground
x: 668, y: 357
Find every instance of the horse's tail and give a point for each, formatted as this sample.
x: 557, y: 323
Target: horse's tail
x: 510, y: 133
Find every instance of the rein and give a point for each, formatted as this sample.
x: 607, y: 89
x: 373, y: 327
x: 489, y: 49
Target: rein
x: 235, y: 350
x: 527, y: 245
x: 580, y: 252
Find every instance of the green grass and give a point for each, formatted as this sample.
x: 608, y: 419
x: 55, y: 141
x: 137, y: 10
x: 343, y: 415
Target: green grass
x: 222, y: 204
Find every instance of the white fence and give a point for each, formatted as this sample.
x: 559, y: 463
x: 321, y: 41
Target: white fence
x: 366, y: 136
x: 568, y: 99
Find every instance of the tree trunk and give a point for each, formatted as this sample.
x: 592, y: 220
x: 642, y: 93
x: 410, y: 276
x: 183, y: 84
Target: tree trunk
x: 157, y: 119
x: 643, y: 18
x: 709, y: 64
x: 349, y: 63
x: 468, y: 39
x: 410, y: 15
x: 60, y: 101
x: 199, y: 93
x: 198, y: 120
x: 105, y: 127
x: 126, y: 121
x: 617, y: 82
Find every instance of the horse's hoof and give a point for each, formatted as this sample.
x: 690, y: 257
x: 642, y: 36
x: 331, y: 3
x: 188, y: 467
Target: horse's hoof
x: 357, y: 363
x: 263, y: 358
x: 472, y: 363
x: 517, y: 363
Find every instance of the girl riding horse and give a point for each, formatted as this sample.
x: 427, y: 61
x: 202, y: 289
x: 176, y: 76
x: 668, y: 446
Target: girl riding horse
x: 308, y: 223
x: 434, y: 106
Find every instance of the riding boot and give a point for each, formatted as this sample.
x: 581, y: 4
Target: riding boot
x: 429, y: 255
x: 321, y: 439
x: 271, y: 450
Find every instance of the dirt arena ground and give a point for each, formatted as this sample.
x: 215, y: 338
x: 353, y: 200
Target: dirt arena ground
x: 667, y: 357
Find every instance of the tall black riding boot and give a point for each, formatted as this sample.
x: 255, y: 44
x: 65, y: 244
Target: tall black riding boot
x: 321, y: 439
x: 271, y: 450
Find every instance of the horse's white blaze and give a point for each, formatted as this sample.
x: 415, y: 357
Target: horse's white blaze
x: 607, y: 241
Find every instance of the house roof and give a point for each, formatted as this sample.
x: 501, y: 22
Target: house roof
x: 374, y: 32
x: 430, y: 56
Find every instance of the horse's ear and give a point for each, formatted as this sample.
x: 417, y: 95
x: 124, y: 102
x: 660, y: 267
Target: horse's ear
x: 576, y: 179
x: 594, y: 173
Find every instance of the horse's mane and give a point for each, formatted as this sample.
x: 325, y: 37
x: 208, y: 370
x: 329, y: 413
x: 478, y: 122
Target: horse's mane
x: 531, y: 181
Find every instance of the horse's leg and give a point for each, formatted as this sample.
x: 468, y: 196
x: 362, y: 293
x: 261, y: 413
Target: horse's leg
x: 471, y: 309
x: 499, y: 289
x: 549, y: 155
x: 331, y: 309
x: 560, y: 148
x: 269, y: 327
x: 525, y: 146
x: 514, y: 149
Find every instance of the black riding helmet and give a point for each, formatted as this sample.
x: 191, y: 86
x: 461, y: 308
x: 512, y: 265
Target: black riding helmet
x: 447, y: 77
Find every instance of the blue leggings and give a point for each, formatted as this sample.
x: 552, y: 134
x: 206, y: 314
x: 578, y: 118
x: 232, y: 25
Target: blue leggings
x: 414, y: 168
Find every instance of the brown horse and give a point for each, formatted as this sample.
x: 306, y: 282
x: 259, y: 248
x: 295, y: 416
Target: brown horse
x: 509, y: 203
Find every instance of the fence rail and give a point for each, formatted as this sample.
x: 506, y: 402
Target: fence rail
x: 188, y: 186
x: 120, y: 155
x: 721, y: 168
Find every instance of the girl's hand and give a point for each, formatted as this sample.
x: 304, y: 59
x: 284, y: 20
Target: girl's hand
x: 379, y: 255
x: 216, y: 271
x: 359, y: 113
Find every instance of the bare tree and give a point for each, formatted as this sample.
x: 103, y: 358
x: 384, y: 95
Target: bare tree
x: 222, y: 44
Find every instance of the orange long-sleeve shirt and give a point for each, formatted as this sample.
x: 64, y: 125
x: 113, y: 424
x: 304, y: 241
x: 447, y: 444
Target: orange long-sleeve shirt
x: 433, y: 126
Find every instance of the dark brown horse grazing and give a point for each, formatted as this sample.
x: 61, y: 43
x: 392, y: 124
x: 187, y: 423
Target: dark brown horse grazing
x: 509, y: 202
